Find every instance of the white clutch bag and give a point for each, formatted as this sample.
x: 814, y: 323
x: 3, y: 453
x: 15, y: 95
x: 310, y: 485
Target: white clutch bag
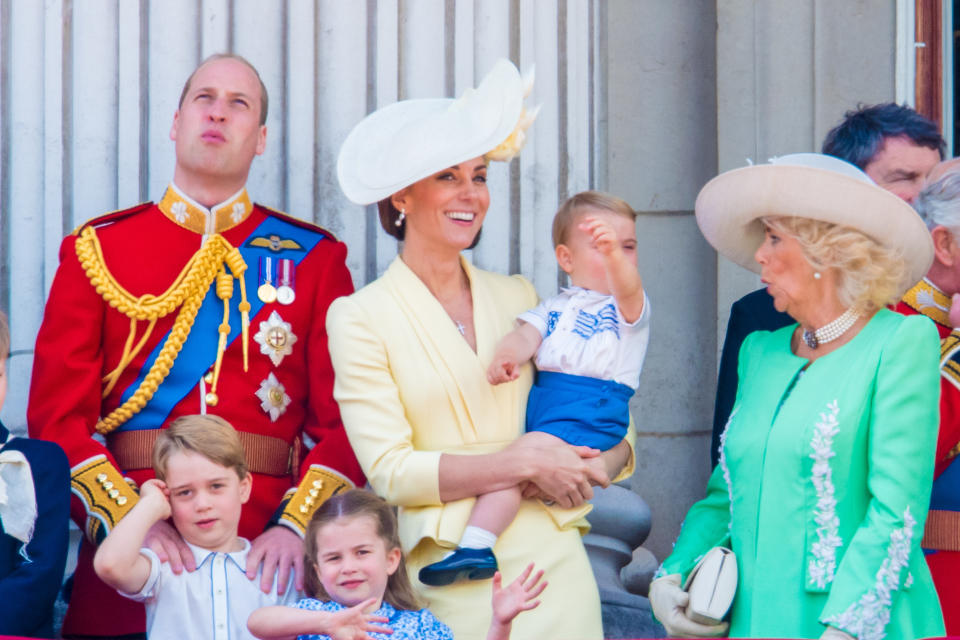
x: 712, y: 585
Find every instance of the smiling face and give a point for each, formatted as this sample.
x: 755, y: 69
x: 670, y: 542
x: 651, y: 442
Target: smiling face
x: 446, y: 210
x: 353, y: 562
x: 580, y: 257
x: 205, y: 500
x: 217, y: 128
x: 901, y: 166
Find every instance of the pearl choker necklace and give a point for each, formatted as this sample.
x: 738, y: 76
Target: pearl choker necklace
x: 831, y: 331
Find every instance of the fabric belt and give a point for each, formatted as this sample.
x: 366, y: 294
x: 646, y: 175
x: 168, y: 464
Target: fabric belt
x: 266, y: 455
x: 942, y: 531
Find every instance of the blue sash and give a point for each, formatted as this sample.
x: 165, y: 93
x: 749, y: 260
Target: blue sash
x: 199, y: 352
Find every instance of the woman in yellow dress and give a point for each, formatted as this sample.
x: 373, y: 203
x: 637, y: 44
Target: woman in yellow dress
x: 411, y: 351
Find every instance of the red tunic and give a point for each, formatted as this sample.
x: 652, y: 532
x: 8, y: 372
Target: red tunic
x: 926, y: 299
x: 82, y: 339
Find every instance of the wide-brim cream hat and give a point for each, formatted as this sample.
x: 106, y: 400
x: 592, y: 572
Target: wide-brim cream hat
x: 407, y: 141
x: 808, y: 185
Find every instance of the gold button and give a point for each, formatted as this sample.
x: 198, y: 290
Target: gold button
x: 318, y: 483
x: 113, y: 493
x: 208, y: 378
x: 303, y: 508
x: 314, y: 493
x: 122, y: 500
x: 101, y: 478
x: 211, y: 399
x: 107, y: 485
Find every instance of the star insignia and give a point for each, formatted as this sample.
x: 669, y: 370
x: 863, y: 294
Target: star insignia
x: 273, y: 397
x: 276, y: 338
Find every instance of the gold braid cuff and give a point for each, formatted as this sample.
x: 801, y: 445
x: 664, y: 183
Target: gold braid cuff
x: 105, y: 494
x: 318, y: 484
x: 187, y: 292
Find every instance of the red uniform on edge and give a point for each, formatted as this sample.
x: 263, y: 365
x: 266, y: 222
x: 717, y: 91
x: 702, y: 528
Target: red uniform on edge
x: 282, y: 405
x: 941, y: 540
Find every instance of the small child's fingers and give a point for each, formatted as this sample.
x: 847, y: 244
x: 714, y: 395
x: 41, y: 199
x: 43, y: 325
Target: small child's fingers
x: 522, y: 578
x: 536, y: 590
x: 532, y: 604
x: 529, y: 584
x: 368, y: 605
x: 497, y: 581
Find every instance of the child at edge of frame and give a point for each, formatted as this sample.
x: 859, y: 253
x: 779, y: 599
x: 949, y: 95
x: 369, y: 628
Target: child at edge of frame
x: 34, y: 518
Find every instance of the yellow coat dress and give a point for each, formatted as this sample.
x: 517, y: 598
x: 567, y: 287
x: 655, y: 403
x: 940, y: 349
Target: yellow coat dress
x: 410, y: 389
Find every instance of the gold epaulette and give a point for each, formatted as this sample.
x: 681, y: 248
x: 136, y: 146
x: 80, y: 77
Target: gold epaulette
x: 319, y: 484
x: 106, y: 495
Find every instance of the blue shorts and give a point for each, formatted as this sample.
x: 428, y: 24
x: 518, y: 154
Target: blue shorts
x: 579, y: 410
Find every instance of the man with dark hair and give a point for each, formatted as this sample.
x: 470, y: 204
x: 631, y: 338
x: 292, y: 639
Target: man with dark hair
x: 894, y: 145
x: 201, y: 303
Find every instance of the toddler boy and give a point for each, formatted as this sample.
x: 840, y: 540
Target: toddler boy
x: 588, y: 343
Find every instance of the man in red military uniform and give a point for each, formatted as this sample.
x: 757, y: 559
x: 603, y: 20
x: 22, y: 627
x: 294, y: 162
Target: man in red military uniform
x: 938, y: 297
x: 201, y: 303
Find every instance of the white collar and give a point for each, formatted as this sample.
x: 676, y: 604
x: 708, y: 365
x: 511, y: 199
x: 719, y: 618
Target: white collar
x: 238, y: 557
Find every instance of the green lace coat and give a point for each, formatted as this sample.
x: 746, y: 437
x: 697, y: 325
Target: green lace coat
x: 823, y: 486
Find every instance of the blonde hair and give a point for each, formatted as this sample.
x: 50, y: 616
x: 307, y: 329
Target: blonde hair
x: 869, y: 275
x: 210, y: 436
x: 351, y: 504
x: 574, y: 207
x: 4, y: 337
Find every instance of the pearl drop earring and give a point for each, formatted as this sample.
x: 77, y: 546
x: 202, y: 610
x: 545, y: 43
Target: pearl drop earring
x: 399, y: 220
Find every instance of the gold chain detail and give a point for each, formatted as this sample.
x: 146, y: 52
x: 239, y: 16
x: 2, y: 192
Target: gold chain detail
x: 187, y: 292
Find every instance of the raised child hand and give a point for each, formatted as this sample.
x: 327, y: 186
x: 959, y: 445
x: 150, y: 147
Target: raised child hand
x: 604, y: 237
x: 155, y: 493
x: 355, y: 624
x: 520, y: 595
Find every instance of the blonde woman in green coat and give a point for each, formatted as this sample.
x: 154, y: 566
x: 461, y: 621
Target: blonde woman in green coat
x: 826, y: 462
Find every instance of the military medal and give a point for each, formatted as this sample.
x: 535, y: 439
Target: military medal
x: 285, y: 275
x: 276, y: 338
x: 273, y: 397
x: 266, y: 291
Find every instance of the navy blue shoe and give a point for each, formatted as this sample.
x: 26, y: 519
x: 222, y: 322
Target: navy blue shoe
x: 470, y: 564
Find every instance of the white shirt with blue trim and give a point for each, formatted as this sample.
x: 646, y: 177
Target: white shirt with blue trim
x: 584, y: 334
x: 211, y: 603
